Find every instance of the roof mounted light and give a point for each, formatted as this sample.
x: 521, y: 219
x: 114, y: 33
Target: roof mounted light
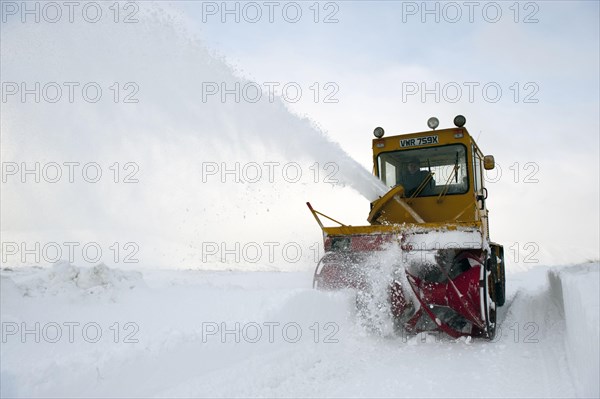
x: 459, y: 121
x: 433, y: 122
x: 378, y: 132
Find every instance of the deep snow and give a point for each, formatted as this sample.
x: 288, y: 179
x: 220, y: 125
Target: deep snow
x: 198, y: 333
x: 101, y: 331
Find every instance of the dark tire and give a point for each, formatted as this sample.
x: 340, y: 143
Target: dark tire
x: 496, y: 262
x: 489, y: 302
x: 501, y: 280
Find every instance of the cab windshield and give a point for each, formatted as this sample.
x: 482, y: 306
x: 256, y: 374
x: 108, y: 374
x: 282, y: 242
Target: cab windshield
x: 426, y: 171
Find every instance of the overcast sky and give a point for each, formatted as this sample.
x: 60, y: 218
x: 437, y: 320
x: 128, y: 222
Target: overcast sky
x: 525, y: 75
x: 543, y: 55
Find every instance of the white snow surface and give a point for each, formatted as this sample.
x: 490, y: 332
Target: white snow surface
x: 80, y: 332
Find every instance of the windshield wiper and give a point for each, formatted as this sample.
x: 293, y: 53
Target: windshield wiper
x: 423, y: 184
x: 447, y: 185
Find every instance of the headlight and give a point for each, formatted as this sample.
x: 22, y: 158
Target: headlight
x: 459, y: 121
x: 433, y: 122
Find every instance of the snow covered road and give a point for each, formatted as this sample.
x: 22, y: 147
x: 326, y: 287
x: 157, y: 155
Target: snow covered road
x: 104, y: 332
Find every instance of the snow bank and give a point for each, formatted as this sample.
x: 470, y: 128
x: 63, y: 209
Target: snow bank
x: 65, y: 278
x: 317, y: 348
x: 579, y: 288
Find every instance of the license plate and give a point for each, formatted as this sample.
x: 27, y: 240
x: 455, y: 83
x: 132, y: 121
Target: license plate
x: 419, y: 141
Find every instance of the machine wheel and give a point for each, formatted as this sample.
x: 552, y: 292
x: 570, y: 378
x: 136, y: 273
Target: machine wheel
x: 317, y: 276
x: 495, y: 263
x: 501, y: 279
x: 488, y: 288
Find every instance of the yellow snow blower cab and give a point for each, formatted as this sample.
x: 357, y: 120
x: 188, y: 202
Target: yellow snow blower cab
x: 430, y: 232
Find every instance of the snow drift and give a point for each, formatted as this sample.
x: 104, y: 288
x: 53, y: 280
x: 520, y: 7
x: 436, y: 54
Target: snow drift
x: 577, y: 291
x: 233, y: 334
x: 64, y: 278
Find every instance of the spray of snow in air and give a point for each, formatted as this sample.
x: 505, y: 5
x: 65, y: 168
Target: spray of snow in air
x: 176, y: 145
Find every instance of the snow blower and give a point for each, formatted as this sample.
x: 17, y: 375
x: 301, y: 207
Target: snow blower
x: 446, y: 274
